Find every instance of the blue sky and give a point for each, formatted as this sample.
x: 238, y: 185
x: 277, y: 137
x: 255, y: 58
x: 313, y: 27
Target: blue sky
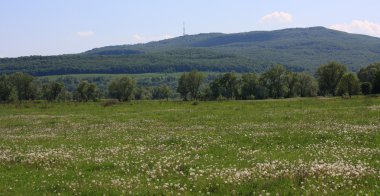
x: 50, y: 27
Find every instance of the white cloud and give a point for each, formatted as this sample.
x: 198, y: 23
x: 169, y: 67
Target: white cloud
x: 360, y: 27
x: 85, y: 33
x: 277, y: 17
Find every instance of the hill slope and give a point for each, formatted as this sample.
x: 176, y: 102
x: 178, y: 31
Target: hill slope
x: 297, y: 48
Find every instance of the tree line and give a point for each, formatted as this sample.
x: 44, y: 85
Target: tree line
x: 331, y: 79
x: 21, y: 86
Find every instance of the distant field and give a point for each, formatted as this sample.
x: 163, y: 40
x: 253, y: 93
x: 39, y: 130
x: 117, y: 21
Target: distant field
x: 294, y: 146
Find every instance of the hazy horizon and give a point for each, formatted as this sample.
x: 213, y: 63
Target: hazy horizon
x: 44, y: 27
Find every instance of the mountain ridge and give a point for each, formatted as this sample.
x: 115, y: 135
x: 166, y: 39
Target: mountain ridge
x: 299, y: 49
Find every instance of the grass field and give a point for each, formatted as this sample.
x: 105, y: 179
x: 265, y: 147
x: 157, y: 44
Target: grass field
x: 295, y: 146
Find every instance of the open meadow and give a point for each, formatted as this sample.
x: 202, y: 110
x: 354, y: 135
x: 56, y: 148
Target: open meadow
x: 292, y: 146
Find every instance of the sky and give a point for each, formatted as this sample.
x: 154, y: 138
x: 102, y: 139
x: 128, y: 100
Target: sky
x: 53, y: 27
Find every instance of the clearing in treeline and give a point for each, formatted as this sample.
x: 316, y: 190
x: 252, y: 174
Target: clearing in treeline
x: 293, y: 146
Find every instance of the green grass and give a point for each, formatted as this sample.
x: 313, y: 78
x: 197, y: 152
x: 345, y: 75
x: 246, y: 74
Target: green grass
x: 293, y: 146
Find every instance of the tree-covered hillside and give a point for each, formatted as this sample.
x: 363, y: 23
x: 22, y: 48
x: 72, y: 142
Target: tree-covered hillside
x: 299, y: 49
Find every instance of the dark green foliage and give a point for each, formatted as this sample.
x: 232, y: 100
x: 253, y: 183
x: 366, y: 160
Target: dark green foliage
x: 52, y: 90
x: 329, y: 76
x: 349, y: 84
x: 299, y: 49
x: 366, y: 88
x: 308, y: 86
x: 368, y: 74
x: 376, y: 83
x: 161, y: 92
x: 371, y: 74
x: 23, y: 85
x: 18, y: 86
x: 143, y: 93
x: 122, y: 89
x: 86, y: 91
x: 226, y: 86
x: 5, y: 88
x: 275, y: 81
x: 179, y: 60
x: 189, y: 85
x: 292, y: 81
x: 249, y: 83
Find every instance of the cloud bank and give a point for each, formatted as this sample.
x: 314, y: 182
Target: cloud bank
x: 277, y: 17
x: 360, y: 27
x: 85, y: 33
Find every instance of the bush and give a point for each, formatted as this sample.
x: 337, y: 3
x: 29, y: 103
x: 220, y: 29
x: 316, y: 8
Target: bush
x: 366, y: 88
x: 110, y: 102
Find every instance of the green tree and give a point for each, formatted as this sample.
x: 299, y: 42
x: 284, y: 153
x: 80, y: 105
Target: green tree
x: 166, y: 92
x: 122, y: 89
x: 308, y: 86
x: 226, y: 86
x: 87, y: 91
x: 24, y: 85
x: 367, y: 74
x: 349, y: 84
x: 13, y: 96
x: 274, y: 80
x: 52, y: 90
x: 376, y: 83
x: 143, y: 93
x: 161, y: 92
x: 366, y: 88
x: 293, y: 84
x: 329, y: 76
x: 5, y: 88
x: 183, y: 88
x: 189, y: 84
x: 249, y: 83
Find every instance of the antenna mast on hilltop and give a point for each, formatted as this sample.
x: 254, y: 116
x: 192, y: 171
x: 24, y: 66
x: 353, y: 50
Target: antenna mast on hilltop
x: 184, y: 29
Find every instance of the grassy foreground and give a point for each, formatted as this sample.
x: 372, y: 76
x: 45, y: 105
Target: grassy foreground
x: 295, y: 146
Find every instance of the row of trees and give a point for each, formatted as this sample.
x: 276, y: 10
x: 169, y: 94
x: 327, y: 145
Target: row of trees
x: 331, y: 80
x: 21, y: 86
x: 275, y: 83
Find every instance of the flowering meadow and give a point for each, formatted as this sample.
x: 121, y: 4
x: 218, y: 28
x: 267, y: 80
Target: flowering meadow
x: 315, y: 146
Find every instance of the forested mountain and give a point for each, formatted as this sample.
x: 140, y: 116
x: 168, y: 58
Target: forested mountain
x: 298, y: 49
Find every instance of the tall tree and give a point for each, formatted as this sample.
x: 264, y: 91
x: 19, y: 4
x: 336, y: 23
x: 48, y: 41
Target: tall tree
x: 349, y: 84
x: 274, y: 80
x: 226, y: 86
x: 24, y: 85
x: 249, y: 83
x: 52, y: 90
x: 376, y: 83
x: 369, y: 74
x: 5, y: 88
x: 293, y: 84
x: 189, y: 84
x: 308, y: 86
x: 183, y: 88
x: 122, y: 89
x: 366, y: 88
x: 87, y: 91
x: 329, y: 76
